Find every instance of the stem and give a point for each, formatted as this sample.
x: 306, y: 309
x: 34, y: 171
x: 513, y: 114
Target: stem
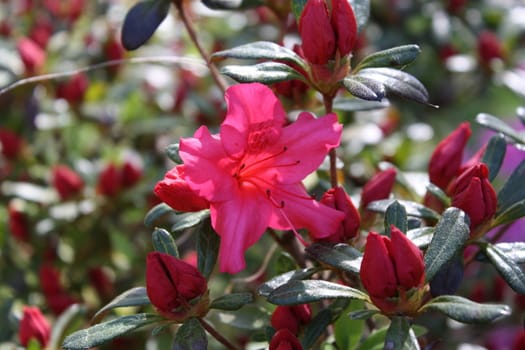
x: 193, y: 36
x: 328, y: 102
x: 213, y: 332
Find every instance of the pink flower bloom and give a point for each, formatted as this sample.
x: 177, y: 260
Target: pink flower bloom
x: 251, y: 172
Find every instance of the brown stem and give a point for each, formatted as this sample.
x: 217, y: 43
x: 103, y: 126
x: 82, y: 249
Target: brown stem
x: 213, y: 332
x: 193, y: 36
x: 328, y: 103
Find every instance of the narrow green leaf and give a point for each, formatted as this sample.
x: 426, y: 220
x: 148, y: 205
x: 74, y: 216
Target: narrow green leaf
x: 172, y: 151
x: 412, y: 208
x: 514, y: 251
x: 155, y: 213
x: 375, y: 340
x: 269, y: 286
x: 364, y: 88
x: 397, y: 333
x: 394, y: 57
x: 316, y: 327
x: 411, y: 342
x: 261, y: 50
x: 511, y: 214
x: 74, y: 313
x: 188, y: 220
x: 451, y: 233
x: 133, y: 297
x: 297, y: 8
x: 266, y: 73
x: 164, y: 243
x: 103, y: 332
x: 494, y: 155
x: 232, y: 4
x: 361, y: 11
x: 190, y: 336
x: 363, y: 314
x: 513, y: 190
x: 466, y: 311
x: 498, y: 125
x: 507, y: 268
x: 396, y: 215
x: 439, y: 194
x: 207, y: 248
x: 348, y: 330
x: 302, y: 292
x: 340, y: 256
x: 232, y: 301
x: 421, y: 236
x: 356, y: 104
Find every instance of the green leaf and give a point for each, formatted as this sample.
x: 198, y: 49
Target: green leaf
x: 103, y: 332
x: 451, y: 233
x: 514, y: 251
x: 188, y: 220
x: 207, y: 248
x: 421, y: 236
x: 284, y: 263
x: 439, y: 194
x: 266, y: 73
x: 362, y: 314
x: 361, y: 11
x: 397, y: 333
x: 231, y: 4
x: 513, y: 190
x: 261, y: 50
x: 498, y: 125
x: 394, y: 57
x: 155, y: 213
x: 316, y: 328
x: 412, y: 208
x: 357, y: 104
x: 511, y: 214
x: 411, y: 342
x: 507, y: 267
x: 302, y: 292
x: 297, y: 8
x: 172, y: 151
x: 190, y: 336
x: 74, y: 313
x: 364, y: 88
x: 466, y: 311
x: 232, y: 301
x: 348, y: 330
x: 396, y: 215
x: 494, y: 155
x: 374, y: 340
x: 269, y: 286
x: 341, y: 256
x: 164, y: 243
x: 133, y: 297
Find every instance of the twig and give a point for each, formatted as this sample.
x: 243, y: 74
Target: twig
x: 213, y: 332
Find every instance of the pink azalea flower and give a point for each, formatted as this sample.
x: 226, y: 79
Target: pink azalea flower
x: 251, y: 172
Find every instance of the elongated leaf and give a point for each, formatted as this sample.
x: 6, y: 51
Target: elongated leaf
x: 451, y: 233
x: 513, y: 190
x: 207, y: 248
x: 374, y: 340
x: 232, y: 301
x: 397, y: 333
x: 142, y: 20
x: 261, y: 50
x: 155, y: 213
x: 316, y: 328
x: 411, y: 342
x: 449, y: 276
x: 507, y: 268
x: 514, y: 251
x: 172, y: 151
x: 361, y: 11
x: 439, y: 194
x: 190, y: 336
x: 364, y: 88
x: 348, y: 330
x: 231, y: 4
x: 103, y: 332
x: 412, y: 208
x: 188, y: 220
x: 421, y: 236
x: 466, y: 311
x: 164, y: 243
x: 396, y: 215
x: 357, y: 104
x: 394, y: 57
x: 494, y: 155
x: 513, y: 213
x: 499, y: 125
x: 133, y: 297
x: 74, y: 313
x: 266, y: 73
x: 340, y: 256
x: 266, y: 288
x: 362, y: 314
x: 302, y: 292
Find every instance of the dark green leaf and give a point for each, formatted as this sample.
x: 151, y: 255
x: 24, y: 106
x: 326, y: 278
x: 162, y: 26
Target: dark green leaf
x: 232, y: 4
x: 362, y: 314
x: 103, y: 332
x: 394, y: 57
x: 507, y: 268
x: 164, y: 243
x: 187, y: 220
x: 396, y: 215
x: 348, y: 330
x: 439, y: 194
x: 412, y: 208
x: 269, y: 286
x: 397, y: 333
x: 155, y: 213
x: 302, y: 292
x: 133, y: 297
x: 364, y: 88
x: 513, y: 190
x: 494, y: 155
x: 142, y: 20
x: 449, y: 276
x: 316, y: 328
x: 421, y: 236
x: 451, y: 233
x: 232, y: 301
x: 190, y: 336
x: 172, y: 151
x: 297, y: 8
x: 511, y: 214
x: 357, y: 104
x: 340, y: 256
x: 266, y: 73
x: 466, y: 311
x: 514, y: 251
x: 261, y: 50
x: 498, y: 125
x: 361, y: 11
x: 207, y: 248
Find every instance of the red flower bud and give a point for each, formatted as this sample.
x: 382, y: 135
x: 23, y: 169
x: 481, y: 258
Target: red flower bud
x: 18, y: 225
x: 489, y: 47
x: 174, y: 191
x: 338, y: 199
x: 10, y: 144
x: 32, y: 55
x: 101, y: 281
x: 291, y: 317
x: 69, y: 10
x: 131, y: 174
x: 74, y: 89
x: 33, y: 325
x: 66, y: 182
x: 344, y: 25
x: 173, y: 285
x: 283, y: 339
x: 445, y: 161
x: 56, y: 296
x: 378, y: 187
x: 109, y: 181
x: 390, y: 269
x: 473, y: 193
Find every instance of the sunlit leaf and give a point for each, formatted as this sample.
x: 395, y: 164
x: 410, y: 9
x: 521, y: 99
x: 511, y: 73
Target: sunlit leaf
x: 361, y: 11
x: 412, y: 208
x: 394, y: 57
x: 511, y: 214
x: 421, y: 236
x: 261, y: 50
x: 266, y: 73
x: 340, y: 256
x: 232, y: 301
x: 507, y: 267
x: 499, y: 125
x: 494, y: 155
x: 187, y: 220
x: 356, y: 104
x: 269, y: 286
x: 364, y: 88
x: 132, y: 297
